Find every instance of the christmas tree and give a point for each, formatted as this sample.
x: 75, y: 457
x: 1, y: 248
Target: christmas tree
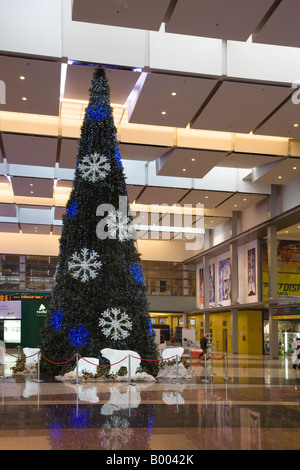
x: 99, y: 298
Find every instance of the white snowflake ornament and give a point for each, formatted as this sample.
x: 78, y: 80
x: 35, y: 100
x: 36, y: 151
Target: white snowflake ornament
x: 120, y: 226
x: 94, y: 167
x: 84, y: 265
x: 115, y: 324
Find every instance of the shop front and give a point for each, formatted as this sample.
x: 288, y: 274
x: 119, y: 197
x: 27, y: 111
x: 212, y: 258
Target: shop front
x: 22, y: 316
x: 288, y: 318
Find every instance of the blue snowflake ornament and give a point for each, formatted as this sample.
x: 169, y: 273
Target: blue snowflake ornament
x: 56, y: 320
x: 72, y: 210
x: 137, y: 274
x: 78, y: 336
x: 96, y: 112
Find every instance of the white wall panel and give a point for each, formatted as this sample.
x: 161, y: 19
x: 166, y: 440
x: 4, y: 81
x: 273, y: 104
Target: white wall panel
x: 36, y: 27
x: 261, y: 62
x: 185, y: 53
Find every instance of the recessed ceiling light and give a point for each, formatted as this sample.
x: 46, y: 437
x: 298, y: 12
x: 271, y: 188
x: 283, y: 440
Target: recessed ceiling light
x: 298, y: 226
x: 235, y: 205
x: 174, y: 93
x: 294, y: 168
x: 279, y: 177
x: 296, y: 125
x: 24, y: 98
x: 245, y: 199
x: 31, y: 192
x: 163, y: 112
x: 193, y: 159
x: 183, y: 169
x: 22, y: 77
x: 206, y: 197
x: 286, y: 231
x: 31, y: 184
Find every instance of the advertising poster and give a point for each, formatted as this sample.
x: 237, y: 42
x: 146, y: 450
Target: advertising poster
x: 251, y: 272
x: 10, y: 309
x: 224, y: 279
x: 212, y: 286
x: 201, y: 286
x: 288, y: 269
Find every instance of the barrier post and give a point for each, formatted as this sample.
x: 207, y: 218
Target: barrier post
x: 205, y: 362
x: 129, y: 370
x: 76, y: 368
x: 226, y: 369
x: 211, y: 365
x: 38, y: 367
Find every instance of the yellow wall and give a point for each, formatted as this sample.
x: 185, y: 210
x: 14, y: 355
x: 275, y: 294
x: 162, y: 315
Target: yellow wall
x: 250, y: 337
x: 218, y: 330
x: 250, y: 326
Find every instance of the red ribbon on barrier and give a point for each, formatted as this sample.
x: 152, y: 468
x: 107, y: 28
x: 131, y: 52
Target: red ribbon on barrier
x: 109, y: 365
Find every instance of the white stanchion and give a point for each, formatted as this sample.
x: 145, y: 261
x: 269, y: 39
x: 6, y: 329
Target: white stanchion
x: 226, y: 369
x: 129, y: 371
x: 205, y: 362
x: 38, y: 368
x: 77, y: 375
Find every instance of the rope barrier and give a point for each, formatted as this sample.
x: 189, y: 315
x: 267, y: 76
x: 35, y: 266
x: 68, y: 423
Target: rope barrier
x: 204, y: 356
x: 57, y: 363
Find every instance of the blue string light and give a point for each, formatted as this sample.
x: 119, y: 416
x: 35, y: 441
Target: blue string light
x: 78, y: 336
x: 96, y: 112
x: 118, y: 156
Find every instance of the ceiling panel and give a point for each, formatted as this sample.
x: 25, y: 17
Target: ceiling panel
x: 282, y: 28
x: 156, y: 98
x: 56, y: 230
x: 282, y: 172
x: 79, y: 78
x: 213, y: 222
x: 154, y: 195
x: 240, y: 107
x: 68, y: 153
x: 225, y: 19
x: 133, y: 192
x: 8, y: 210
x: 290, y: 233
x: 40, y: 75
x: 240, y: 201
x: 59, y: 212
x: 9, y: 227
x: 139, y: 14
x: 30, y: 150
x: 286, y: 121
x: 32, y: 187
x: 246, y: 160
x: 36, y: 229
x: 190, y: 163
x: 141, y: 152
x: 210, y: 199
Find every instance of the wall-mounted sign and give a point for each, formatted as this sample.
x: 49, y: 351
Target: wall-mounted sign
x: 10, y: 309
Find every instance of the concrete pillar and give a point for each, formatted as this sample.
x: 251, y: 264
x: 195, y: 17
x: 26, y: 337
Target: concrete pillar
x: 234, y: 297
x: 272, y: 280
x: 206, y: 292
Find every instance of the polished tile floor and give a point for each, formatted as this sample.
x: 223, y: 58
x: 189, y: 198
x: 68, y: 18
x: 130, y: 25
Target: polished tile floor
x: 254, y: 404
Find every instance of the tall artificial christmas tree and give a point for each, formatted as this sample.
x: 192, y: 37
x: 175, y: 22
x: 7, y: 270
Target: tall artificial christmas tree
x: 99, y: 298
